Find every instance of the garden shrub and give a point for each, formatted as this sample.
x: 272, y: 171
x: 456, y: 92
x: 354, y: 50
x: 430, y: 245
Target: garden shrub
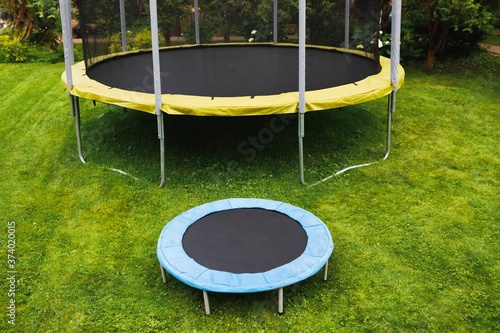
x: 142, y: 40
x: 115, y: 43
x: 12, y: 50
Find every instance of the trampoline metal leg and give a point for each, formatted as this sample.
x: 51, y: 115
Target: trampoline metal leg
x: 207, y: 304
x: 163, y: 274
x: 390, y: 111
x: 301, y: 147
x: 325, y: 272
x: 75, y: 112
x: 161, y: 136
x: 280, y: 301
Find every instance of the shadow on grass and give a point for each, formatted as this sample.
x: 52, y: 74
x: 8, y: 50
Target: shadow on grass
x: 228, y: 148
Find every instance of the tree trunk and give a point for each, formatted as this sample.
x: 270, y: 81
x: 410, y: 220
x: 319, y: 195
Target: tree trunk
x: 227, y: 33
x: 28, y: 28
x: 431, y: 59
x: 227, y: 36
x: 166, y: 37
x: 18, y: 17
x: 438, y: 35
x: 23, y: 21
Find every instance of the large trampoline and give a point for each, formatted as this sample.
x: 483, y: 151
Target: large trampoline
x: 235, y: 79
x: 244, y: 245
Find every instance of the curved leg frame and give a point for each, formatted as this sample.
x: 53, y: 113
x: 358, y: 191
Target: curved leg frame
x: 75, y: 112
x: 390, y: 112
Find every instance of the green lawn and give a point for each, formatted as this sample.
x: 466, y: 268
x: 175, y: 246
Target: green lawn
x: 416, y: 236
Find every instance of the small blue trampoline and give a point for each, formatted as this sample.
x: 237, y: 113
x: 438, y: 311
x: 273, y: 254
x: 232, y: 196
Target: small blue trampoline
x: 244, y: 245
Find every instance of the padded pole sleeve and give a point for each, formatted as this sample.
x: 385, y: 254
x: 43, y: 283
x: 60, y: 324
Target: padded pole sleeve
x: 123, y: 25
x: 69, y: 58
x: 157, y: 85
x: 156, y: 55
x: 302, y: 56
x: 197, y: 22
x: 275, y: 21
x: 395, y: 41
x: 346, y: 28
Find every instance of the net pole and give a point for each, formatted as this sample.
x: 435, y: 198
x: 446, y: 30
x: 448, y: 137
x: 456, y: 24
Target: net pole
x: 123, y: 25
x: 275, y: 21
x: 395, y: 47
x: 197, y: 22
x: 346, y: 28
x: 69, y: 60
x: 153, y: 11
x: 67, y: 31
x: 302, y: 85
x: 395, y: 60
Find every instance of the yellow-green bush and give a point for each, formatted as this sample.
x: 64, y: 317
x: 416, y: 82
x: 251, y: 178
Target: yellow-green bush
x: 142, y: 40
x: 12, y: 50
x: 115, y: 43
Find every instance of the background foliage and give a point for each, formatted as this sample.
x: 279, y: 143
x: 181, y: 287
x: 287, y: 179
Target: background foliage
x: 430, y: 28
x: 434, y: 27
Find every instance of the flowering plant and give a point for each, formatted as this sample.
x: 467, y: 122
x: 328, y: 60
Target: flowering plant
x: 252, y: 36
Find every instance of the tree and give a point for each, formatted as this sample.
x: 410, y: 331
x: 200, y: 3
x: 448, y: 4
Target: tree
x: 22, y: 17
x: 30, y: 15
x: 169, y: 13
x: 437, y: 20
x: 230, y: 12
x: 320, y: 20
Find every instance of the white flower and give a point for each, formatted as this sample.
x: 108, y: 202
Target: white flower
x: 254, y: 32
x: 250, y: 40
x: 381, y: 32
x: 360, y: 46
x: 387, y: 42
x: 380, y: 44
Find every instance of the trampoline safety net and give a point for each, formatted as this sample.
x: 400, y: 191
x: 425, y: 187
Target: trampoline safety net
x: 101, y: 24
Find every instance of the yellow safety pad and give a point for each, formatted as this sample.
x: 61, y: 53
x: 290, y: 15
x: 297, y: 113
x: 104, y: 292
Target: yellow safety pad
x: 370, y: 88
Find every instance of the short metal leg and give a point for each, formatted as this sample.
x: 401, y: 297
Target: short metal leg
x: 161, y: 137
x: 207, y: 304
x: 390, y: 111
x: 301, y: 148
x: 280, y: 301
x: 163, y: 274
x: 325, y: 271
x: 75, y: 111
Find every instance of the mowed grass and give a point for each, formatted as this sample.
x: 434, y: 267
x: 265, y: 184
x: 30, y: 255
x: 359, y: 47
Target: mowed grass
x: 416, y: 236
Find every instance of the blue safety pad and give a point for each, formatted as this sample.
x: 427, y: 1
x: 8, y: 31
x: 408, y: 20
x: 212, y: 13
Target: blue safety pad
x: 174, y: 259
